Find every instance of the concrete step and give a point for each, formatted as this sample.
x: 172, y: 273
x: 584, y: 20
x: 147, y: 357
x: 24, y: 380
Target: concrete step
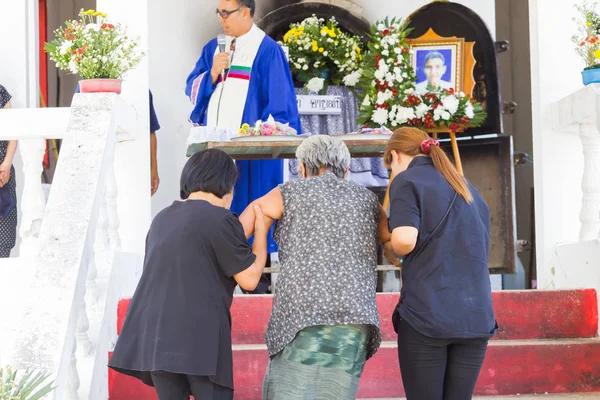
x: 527, y: 314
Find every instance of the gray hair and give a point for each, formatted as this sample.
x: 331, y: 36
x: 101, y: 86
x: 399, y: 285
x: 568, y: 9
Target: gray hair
x: 322, y: 151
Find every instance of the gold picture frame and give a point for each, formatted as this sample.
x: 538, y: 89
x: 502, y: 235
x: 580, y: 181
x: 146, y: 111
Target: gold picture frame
x: 431, y: 46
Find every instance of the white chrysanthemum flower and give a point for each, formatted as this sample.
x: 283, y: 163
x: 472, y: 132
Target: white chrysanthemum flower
x: 352, y: 78
x: 382, y: 97
x: 65, y: 47
x: 315, y: 85
x: 404, y: 114
x: 91, y: 27
x: 469, y: 111
x: 381, y: 27
x: 366, y: 101
x: 421, y: 110
x: 73, y: 66
x: 380, y: 116
x: 445, y: 115
x: 450, y: 103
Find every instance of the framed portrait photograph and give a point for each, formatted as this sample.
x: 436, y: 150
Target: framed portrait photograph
x: 436, y: 66
x: 443, y: 62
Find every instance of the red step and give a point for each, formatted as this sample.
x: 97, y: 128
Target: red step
x: 510, y: 367
x: 527, y: 314
x: 519, y: 360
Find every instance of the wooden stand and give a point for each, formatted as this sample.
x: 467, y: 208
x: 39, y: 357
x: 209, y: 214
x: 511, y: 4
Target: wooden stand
x: 435, y: 133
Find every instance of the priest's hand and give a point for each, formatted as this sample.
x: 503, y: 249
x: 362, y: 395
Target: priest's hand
x: 220, y: 63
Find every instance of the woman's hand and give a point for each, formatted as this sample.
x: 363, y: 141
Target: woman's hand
x: 388, y: 253
x: 4, y: 173
x: 259, y: 221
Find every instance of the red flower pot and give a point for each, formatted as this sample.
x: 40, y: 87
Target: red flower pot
x: 100, y: 86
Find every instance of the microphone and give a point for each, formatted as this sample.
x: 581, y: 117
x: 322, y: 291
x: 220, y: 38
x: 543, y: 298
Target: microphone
x: 222, y: 41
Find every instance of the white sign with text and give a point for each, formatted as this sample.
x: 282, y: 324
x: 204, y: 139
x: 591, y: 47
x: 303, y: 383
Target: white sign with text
x: 319, y: 105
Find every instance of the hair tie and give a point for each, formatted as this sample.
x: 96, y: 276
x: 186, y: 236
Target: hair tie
x: 427, y: 143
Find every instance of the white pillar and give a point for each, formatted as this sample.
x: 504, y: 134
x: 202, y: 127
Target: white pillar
x: 132, y: 158
x: 557, y: 155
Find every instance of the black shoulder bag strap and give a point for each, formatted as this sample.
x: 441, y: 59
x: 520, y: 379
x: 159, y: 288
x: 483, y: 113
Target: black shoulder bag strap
x: 437, y: 228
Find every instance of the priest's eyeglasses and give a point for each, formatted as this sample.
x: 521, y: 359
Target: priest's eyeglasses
x: 225, y: 14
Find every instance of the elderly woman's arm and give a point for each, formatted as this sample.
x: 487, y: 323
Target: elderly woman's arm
x: 248, y: 279
x: 271, y: 206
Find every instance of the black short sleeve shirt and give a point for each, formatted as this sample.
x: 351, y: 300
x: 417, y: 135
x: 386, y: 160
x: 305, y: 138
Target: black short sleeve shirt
x: 179, y: 320
x: 446, y: 291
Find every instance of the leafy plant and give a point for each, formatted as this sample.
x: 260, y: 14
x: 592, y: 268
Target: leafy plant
x: 587, y: 38
x: 92, y: 47
x: 23, y: 385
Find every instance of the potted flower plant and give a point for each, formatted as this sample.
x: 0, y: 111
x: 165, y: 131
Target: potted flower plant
x: 99, y: 51
x: 587, y: 41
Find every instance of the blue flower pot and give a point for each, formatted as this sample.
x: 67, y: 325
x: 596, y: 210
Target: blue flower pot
x: 590, y: 76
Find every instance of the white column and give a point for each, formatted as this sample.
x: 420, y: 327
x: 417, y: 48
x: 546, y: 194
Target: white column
x: 590, y: 207
x: 132, y: 158
x: 557, y: 154
x: 33, y: 201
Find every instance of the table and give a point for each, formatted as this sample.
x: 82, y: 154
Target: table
x: 265, y: 150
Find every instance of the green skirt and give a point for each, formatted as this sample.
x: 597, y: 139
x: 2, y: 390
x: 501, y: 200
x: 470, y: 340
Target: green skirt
x: 321, y: 363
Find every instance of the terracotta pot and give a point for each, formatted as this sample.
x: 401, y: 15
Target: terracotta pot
x: 100, y: 86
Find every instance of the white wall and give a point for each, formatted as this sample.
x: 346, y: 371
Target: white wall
x: 558, y: 160
x: 178, y: 31
x: 18, y: 66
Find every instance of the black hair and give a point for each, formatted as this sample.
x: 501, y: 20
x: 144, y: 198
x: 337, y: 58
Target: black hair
x: 432, y: 55
x: 251, y: 4
x: 211, y: 171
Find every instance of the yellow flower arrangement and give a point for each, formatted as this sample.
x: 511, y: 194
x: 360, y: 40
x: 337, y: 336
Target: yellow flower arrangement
x: 320, y: 49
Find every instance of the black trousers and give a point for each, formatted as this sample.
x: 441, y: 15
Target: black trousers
x: 438, y: 369
x: 171, y: 386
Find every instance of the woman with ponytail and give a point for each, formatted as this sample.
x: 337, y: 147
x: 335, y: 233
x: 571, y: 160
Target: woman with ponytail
x: 440, y: 226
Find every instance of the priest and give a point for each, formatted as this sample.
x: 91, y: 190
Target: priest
x: 246, y: 81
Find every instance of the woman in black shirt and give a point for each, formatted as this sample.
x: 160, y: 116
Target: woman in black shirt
x: 177, y: 332
x: 440, y: 225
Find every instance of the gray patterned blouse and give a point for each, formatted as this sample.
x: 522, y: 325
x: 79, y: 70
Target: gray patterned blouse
x: 327, y: 241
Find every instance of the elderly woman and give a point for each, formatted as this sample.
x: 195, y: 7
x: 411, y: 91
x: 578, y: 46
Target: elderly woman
x: 324, y: 324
